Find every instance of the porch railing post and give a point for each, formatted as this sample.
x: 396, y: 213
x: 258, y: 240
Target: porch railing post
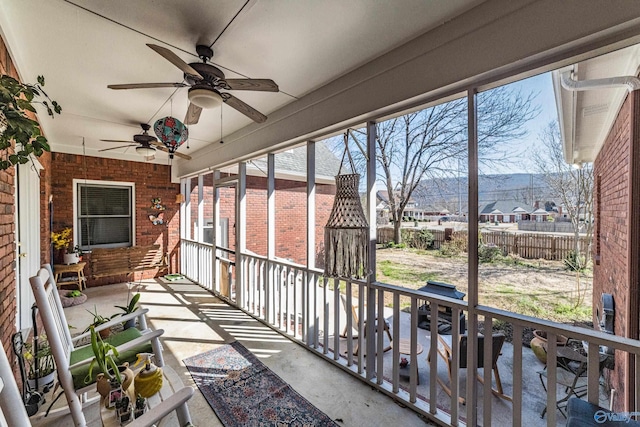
x: 372, y: 313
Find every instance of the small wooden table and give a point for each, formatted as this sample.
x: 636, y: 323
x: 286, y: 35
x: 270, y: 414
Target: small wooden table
x: 404, y: 347
x: 170, y: 384
x: 77, y: 275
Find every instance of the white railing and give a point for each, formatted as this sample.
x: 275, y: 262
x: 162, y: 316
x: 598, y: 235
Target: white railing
x: 327, y: 316
x: 196, y: 262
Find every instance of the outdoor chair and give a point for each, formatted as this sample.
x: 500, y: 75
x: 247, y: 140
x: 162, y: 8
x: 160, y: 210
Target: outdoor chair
x: 72, y: 361
x: 571, y: 374
x: 13, y: 413
x: 445, y: 351
x: 355, y: 320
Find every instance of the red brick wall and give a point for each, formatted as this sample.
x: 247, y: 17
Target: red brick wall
x: 151, y: 181
x: 611, y: 273
x: 291, y: 216
x: 8, y: 306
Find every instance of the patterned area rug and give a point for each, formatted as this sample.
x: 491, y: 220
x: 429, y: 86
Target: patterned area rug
x: 244, y: 392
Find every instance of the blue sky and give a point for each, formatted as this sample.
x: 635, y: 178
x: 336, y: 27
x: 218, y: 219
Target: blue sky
x: 520, y: 150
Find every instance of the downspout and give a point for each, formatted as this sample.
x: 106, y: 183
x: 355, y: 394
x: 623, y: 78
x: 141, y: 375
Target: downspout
x: 630, y: 82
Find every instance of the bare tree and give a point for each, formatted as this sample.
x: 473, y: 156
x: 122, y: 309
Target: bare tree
x: 572, y: 186
x: 432, y: 142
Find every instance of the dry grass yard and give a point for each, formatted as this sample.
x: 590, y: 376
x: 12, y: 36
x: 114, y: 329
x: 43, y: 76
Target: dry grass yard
x: 539, y: 288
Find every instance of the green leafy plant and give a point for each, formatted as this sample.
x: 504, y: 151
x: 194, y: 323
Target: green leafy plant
x: 16, y: 102
x: 104, y: 360
x: 98, y: 319
x: 133, y: 306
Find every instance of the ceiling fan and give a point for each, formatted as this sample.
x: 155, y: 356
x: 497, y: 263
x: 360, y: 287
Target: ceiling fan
x: 206, y: 82
x: 146, y: 145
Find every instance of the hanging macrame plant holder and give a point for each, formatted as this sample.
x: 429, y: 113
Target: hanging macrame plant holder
x: 346, y: 235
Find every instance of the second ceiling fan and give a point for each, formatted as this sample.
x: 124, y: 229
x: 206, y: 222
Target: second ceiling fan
x: 145, y: 144
x: 206, y: 82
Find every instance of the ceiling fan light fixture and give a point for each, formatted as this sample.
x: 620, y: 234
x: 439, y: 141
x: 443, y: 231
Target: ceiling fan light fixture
x: 145, y: 151
x: 204, y: 98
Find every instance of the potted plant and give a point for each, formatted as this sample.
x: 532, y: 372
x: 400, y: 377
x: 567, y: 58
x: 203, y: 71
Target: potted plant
x: 16, y: 104
x: 98, y: 320
x: 130, y: 308
x: 62, y: 242
x: 141, y: 406
x: 108, y: 378
x: 40, y: 365
x: 123, y: 409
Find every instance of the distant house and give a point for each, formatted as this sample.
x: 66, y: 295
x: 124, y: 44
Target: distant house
x: 505, y: 211
x: 539, y: 215
x: 412, y: 210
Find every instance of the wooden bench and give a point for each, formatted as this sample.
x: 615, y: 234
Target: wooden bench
x: 119, y: 261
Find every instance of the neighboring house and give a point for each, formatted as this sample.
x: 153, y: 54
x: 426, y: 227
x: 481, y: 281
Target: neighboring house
x: 505, y: 211
x: 599, y: 124
x: 413, y: 210
x: 540, y: 215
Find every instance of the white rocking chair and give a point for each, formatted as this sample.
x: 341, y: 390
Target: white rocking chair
x: 72, y: 362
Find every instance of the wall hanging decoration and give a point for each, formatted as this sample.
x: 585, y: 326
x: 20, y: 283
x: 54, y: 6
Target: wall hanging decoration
x: 156, y: 204
x: 346, y: 235
x: 171, y: 132
x: 157, y: 219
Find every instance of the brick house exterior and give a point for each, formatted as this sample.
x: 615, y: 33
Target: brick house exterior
x: 291, y: 217
x: 8, y: 279
x: 617, y: 235
x: 150, y: 180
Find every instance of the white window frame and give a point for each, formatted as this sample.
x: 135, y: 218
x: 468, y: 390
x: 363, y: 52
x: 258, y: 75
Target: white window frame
x: 76, y: 227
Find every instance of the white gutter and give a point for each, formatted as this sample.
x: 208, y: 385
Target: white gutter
x: 630, y: 82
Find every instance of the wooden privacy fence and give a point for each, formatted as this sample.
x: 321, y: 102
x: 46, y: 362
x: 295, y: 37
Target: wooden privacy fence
x: 528, y: 246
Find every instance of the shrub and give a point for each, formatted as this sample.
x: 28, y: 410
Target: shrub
x: 488, y: 253
x: 453, y: 247
x: 575, y: 262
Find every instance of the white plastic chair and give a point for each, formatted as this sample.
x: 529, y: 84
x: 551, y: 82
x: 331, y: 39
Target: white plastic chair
x: 64, y: 349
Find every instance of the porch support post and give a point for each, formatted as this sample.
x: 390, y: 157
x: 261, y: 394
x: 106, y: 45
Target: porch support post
x: 200, y: 209
x: 633, y: 255
x: 271, y: 233
x: 187, y: 210
x: 183, y: 227
x: 241, y: 232
x: 310, y: 322
x: 472, y: 245
x: 216, y: 223
x: 371, y: 277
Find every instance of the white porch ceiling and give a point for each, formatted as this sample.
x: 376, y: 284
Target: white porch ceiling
x: 81, y: 46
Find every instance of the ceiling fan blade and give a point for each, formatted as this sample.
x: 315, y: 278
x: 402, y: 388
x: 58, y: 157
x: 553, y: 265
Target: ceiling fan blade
x: 193, y: 114
x: 244, y: 108
x: 162, y: 147
x: 175, y: 60
x: 115, y: 148
x: 266, y: 85
x: 118, y: 140
x: 145, y: 85
x: 184, y: 156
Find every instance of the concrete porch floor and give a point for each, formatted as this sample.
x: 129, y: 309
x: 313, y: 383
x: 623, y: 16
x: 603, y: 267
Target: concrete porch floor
x: 195, y: 321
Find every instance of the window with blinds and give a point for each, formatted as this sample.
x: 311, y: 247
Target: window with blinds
x: 105, y: 215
